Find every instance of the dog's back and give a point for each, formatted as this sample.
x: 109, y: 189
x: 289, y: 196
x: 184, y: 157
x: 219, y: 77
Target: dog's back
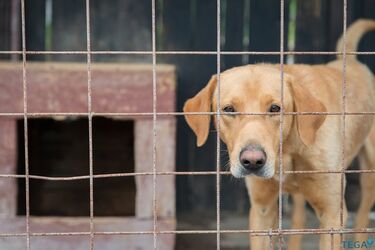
x: 339, y: 91
x: 367, y: 153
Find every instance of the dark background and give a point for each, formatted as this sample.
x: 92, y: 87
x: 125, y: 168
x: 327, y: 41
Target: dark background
x: 189, y: 25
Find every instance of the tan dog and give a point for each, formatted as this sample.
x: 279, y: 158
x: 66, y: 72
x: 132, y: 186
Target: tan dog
x: 310, y: 142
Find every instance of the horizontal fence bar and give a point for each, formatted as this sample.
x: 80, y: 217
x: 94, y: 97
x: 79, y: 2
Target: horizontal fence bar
x: 78, y: 52
x: 84, y: 114
x: 276, y: 232
x: 197, y: 173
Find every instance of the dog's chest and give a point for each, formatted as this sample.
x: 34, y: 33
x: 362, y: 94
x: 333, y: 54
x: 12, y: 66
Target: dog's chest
x: 289, y: 184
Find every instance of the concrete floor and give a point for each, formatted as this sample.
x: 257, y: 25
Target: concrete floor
x: 237, y: 241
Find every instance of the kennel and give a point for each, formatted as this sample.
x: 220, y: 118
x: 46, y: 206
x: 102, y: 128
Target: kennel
x: 122, y: 143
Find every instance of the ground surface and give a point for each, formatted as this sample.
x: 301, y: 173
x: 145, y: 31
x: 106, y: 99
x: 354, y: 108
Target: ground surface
x: 235, y: 241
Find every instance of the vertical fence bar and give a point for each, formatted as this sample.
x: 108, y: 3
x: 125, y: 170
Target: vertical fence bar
x: 280, y: 241
x: 154, y: 101
x: 25, y: 128
x: 270, y: 237
x: 343, y: 122
x: 218, y: 177
x: 89, y: 107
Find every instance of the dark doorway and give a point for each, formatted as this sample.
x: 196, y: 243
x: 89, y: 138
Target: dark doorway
x: 61, y: 148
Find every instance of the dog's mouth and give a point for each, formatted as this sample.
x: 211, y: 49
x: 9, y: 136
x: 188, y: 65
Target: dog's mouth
x: 266, y: 172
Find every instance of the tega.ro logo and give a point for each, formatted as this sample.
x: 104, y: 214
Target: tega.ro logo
x: 353, y: 244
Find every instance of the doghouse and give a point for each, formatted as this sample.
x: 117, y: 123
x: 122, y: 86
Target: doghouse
x: 58, y: 147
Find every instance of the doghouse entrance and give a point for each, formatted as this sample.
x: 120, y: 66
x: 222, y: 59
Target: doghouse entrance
x: 60, y: 148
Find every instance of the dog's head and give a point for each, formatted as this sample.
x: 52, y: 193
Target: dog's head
x: 253, y: 140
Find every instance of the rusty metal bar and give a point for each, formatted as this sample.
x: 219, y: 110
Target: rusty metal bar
x: 89, y: 109
x: 276, y: 232
x: 25, y: 127
x: 154, y: 121
x: 129, y: 114
x: 343, y: 122
x: 280, y: 215
x: 192, y: 173
x: 89, y: 116
x: 218, y: 176
x: 161, y: 52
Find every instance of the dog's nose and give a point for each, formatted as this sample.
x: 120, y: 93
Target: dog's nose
x: 253, y: 158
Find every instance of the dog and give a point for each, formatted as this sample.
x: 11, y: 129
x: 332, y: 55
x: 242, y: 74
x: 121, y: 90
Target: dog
x: 310, y: 141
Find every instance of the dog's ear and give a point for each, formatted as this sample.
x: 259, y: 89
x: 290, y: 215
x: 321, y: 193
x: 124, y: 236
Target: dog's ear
x: 201, y: 102
x: 307, y: 125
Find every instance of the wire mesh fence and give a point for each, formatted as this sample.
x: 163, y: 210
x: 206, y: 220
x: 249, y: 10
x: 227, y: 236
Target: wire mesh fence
x: 218, y: 52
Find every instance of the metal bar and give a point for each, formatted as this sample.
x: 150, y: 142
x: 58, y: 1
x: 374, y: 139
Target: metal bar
x: 343, y: 122
x: 119, y: 52
x: 154, y: 124
x: 191, y: 173
x: 280, y: 238
x: 25, y: 127
x: 218, y: 176
x: 89, y: 108
x: 308, y: 231
x: 94, y: 114
x: 270, y: 238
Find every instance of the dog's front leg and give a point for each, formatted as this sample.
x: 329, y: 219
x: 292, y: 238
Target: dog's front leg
x: 323, y: 192
x: 263, y: 210
x: 298, y: 221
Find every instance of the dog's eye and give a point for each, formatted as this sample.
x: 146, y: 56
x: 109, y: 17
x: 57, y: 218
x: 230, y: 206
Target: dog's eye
x: 229, y: 109
x: 274, y: 108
